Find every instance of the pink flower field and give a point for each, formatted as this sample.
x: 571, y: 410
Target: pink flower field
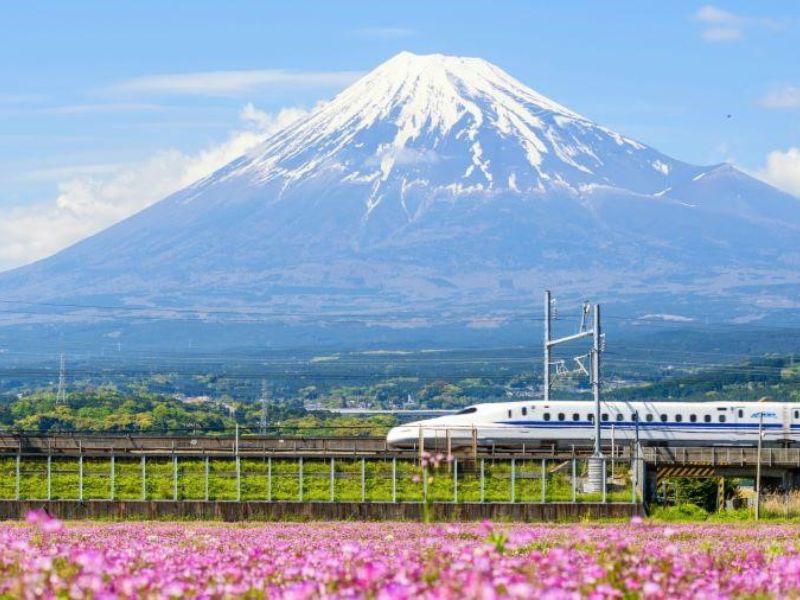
x: 45, y: 558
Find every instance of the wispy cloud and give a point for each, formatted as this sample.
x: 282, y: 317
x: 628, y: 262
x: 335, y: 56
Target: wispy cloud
x: 719, y: 25
x: 233, y: 83
x: 786, y: 97
x: 386, y: 33
x: 65, y: 172
x: 92, y: 197
x: 75, y: 109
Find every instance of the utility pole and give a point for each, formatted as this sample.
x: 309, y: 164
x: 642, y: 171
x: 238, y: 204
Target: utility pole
x: 598, y: 449
x: 61, y: 395
x: 597, y: 464
x: 548, y: 304
x: 758, y: 465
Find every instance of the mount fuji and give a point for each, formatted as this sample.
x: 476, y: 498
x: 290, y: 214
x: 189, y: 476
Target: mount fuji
x: 438, y: 185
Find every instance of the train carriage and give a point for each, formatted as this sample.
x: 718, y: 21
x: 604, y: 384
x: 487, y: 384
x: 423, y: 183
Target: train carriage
x: 566, y: 423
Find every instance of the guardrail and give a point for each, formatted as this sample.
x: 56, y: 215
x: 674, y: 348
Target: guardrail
x: 722, y: 456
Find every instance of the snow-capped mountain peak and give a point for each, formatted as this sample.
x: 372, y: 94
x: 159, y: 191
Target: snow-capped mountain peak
x: 440, y: 183
x: 457, y: 125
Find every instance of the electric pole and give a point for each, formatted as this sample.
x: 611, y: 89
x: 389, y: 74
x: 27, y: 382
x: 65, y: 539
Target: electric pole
x: 61, y: 395
x: 548, y: 304
x: 597, y: 464
x: 596, y: 349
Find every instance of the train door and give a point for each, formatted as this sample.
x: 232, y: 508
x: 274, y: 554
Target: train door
x: 738, y: 417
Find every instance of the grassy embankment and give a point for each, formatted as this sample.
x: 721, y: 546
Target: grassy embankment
x: 286, y: 480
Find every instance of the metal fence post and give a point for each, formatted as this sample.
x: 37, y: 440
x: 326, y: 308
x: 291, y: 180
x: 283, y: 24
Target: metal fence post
x: 205, y: 478
x: 544, y: 480
x: 483, y: 485
x: 17, y: 476
x: 513, y: 480
x: 174, y: 477
x: 238, y: 477
x: 574, y: 480
x: 300, y: 477
x: 604, y: 483
x: 333, y: 480
x: 80, y: 478
x: 113, y: 477
x: 455, y: 481
x: 363, y: 480
x: 49, y: 477
x: 394, y: 479
x: 269, y: 479
x: 633, y: 481
x: 144, y: 477
x: 425, y: 483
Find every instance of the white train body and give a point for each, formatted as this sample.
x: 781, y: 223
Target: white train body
x: 572, y: 422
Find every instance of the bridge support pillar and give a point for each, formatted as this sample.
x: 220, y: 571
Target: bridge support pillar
x: 791, y: 479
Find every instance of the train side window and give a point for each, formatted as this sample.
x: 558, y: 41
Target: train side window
x: 678, y: 418
x: 590, y: 417
x: 576, y: 417
x: 561, y: 416
x: 649, y: 417
x: 722, y: 418
x: 634, y: 417
x: 797, y: 414
x: 741, y: 413
x: 546, y: 416
x: 693, y: 418
x: 524, y: 411
x: 604, y: 416
x: 707, y: 418
x: 619, y: 416
x: 663, y: 418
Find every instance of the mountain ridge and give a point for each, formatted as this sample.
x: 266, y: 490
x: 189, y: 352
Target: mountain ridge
x: 440, y: 183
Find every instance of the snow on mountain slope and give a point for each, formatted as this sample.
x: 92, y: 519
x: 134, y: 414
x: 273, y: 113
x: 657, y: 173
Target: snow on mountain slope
x: 454, y: 124
x: 436, y: 182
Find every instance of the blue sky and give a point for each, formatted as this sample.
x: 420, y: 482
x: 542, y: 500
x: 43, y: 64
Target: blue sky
x: 104, y: 106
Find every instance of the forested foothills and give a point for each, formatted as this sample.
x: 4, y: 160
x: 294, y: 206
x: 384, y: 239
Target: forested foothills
x: 306, y: 401
x: 778, y: 378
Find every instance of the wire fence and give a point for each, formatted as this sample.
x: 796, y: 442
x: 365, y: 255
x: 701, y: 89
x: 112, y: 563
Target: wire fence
x: 322, y: 479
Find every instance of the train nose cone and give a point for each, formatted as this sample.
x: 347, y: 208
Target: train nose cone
x: 398, y: 436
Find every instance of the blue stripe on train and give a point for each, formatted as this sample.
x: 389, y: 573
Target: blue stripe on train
x: 649, y: 425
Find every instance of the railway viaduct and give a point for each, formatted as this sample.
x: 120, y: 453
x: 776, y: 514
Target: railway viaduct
x: 538, y: 483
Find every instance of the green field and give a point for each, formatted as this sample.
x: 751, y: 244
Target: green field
x: 284, y: 479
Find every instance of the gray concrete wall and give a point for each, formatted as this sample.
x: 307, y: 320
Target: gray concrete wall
x: 311, y: 511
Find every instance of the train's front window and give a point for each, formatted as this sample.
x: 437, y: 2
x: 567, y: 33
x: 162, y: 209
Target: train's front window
x: 471, y: 410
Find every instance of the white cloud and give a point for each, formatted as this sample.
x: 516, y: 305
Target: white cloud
x: 724, y: 26
x: 785, y: 97
x: 87, y: 203
x: 117, y: 107
x: 782, y: 170
x: 232, y: 83
x: 387, y: 33
x: 722, y: 34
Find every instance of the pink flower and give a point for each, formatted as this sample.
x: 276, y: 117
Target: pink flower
x: 44, y: 521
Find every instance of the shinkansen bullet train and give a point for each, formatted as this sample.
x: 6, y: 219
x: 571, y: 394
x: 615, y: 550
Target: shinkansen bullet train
x: 566, y: 423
